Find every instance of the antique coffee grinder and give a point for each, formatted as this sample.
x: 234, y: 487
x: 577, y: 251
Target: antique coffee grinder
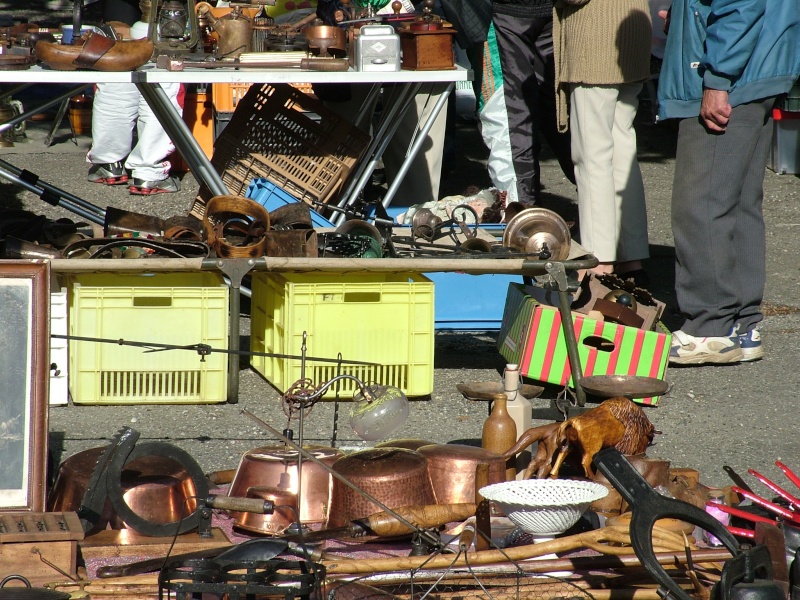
x: 427, y: 42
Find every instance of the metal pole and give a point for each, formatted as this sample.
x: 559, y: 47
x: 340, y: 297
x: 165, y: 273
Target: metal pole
x: 184, y: 141
x: 419, y: 139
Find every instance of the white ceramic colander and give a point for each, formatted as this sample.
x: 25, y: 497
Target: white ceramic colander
x: 544, y: 506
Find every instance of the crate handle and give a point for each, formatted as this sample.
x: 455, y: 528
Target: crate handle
x: 152, y: 301
x: 599, y: 343
x: 362, y: 297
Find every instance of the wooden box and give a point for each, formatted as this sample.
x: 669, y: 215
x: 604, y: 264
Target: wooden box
x: 427, y: 50
x: 40, y: 562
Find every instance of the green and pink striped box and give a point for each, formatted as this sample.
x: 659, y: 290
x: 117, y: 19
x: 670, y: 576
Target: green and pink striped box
x: 532, y: 337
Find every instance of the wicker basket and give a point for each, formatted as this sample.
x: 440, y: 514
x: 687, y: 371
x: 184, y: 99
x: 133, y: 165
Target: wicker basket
x: 288, y: 137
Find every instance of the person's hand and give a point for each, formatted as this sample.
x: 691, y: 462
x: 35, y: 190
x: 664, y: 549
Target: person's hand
x: 665, y: 14
x: 715, y: 111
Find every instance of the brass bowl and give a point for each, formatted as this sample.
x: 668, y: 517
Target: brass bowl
x: 628, y: 386
x: 485, y: 390
x: 536, y: 230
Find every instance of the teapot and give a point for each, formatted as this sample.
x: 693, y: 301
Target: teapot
x: 235, y: 30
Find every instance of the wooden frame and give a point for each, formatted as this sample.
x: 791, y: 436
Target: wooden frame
x: 24, y: 380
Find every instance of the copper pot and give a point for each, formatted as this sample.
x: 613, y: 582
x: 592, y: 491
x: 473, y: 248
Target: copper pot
x: 451, y: 468
x: 407, y: 443
x: 394, y: 476
x: 276, y: 467
x: 156, y: 488
x: 283, y: 516
x: 326, y: 40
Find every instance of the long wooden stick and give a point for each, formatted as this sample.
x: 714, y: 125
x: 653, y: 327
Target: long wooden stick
x: 665, y: 541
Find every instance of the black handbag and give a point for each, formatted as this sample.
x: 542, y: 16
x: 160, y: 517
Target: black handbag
x: 470, y: 19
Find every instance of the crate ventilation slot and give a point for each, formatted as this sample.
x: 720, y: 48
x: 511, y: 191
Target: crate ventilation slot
x: 139, y: 384
x: 396, y: 375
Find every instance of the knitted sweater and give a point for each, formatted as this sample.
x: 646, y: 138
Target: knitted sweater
x: 604, y: 42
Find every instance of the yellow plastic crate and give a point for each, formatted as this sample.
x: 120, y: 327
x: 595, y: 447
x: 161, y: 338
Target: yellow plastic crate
x: 162, y: 308
x: 384, y: 318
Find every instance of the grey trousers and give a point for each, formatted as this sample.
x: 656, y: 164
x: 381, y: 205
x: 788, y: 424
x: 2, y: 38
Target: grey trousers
x: 717, y: 221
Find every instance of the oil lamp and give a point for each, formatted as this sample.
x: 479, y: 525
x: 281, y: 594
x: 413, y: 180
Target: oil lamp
x: 173, y: 26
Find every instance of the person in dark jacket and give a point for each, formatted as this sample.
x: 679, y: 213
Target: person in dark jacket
x: 524, y: 33
x: 725, y: 63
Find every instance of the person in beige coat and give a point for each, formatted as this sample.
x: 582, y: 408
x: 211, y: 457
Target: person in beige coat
x: 602, y: 59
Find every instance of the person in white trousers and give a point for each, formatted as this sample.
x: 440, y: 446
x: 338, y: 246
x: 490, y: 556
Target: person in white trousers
x: 117, y: 109
x: 602, y: 58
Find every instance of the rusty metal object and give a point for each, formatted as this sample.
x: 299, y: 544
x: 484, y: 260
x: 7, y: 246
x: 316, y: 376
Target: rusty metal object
x: 120, y: 222
x: 451, y: 468
x: 394, y: 476
x: 284, y: 515
x: 154, y: 487
x: 276, y: 466
x: 292, y: 243
x: 295, y: 215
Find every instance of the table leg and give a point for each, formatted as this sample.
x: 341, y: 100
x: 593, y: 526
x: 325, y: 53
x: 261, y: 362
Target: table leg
x: 389, y: 123
x: 184, y: 141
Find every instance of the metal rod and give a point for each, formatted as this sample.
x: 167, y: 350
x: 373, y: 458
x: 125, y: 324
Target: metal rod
x: 387, y: 127
x: 85, y: 204
x: 419, y: 140
x: 184, y: 141
x: 42, y: 193
x: 203, y: 349
x: 428, y: 537
x: 17, y: 88
x: 29, y: 113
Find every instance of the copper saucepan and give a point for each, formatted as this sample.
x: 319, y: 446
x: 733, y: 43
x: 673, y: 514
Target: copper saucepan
x: 156, y: 488
x: 451, y: 468
x: 276, y: 467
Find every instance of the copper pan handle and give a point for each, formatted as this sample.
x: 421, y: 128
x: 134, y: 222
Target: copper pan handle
x: 424, y: 517
x: 253, y: 505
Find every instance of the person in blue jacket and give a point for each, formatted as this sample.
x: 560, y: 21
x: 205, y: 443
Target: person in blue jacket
x: 725, y: 63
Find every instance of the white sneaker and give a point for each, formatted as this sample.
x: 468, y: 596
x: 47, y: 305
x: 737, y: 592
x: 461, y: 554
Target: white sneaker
x: 750, y: 342
x: 689, y: 350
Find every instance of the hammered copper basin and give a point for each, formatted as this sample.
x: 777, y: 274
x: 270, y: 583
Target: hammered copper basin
x: 394, y: 476
x: 276, y: 467
x: 156, y: 488
x: 451, y: 468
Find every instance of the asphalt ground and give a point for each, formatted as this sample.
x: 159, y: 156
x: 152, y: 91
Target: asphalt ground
x: 741, y: 416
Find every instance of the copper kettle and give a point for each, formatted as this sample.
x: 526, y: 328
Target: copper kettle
x: 235, y: 30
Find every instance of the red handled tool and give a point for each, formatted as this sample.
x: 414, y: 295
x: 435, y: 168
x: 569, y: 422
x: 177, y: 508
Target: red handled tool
x: 770, y: 506
x: 788, y: 472
x: 793, y: 500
